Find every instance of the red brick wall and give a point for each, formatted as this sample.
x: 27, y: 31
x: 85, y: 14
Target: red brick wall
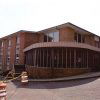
x: 30, y: 38
x: 4, y: 49
x: 90, y: 40
x: 41, y: 37
x: 22, y: 43
x: 12, y: 50
x: 26, y: 39
x: 66, y: 34
x: 54, y: 73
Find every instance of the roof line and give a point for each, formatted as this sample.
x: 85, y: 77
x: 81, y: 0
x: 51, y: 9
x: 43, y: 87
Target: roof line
x: 68, y: 23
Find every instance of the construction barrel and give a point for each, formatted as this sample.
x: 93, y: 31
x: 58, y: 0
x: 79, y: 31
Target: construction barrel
x: 3, y: 93
x: 24, y: 77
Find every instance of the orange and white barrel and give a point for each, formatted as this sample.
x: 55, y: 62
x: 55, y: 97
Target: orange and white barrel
x: 3, y: 93
x: 24, y: 77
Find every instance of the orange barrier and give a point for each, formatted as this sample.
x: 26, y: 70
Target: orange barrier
x: 24, y: 77
x: 3, y: 93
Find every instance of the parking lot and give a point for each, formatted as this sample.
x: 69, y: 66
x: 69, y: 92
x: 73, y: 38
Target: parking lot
x: 86, y: 89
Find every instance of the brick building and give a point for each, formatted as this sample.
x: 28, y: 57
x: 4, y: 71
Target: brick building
x: 11, y: 48
x: 61, y: 51
x: 58, y: 51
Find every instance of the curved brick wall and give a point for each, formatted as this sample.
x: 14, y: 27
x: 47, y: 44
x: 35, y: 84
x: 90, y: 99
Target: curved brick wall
x: 54, y: 73
x: 42, y: 58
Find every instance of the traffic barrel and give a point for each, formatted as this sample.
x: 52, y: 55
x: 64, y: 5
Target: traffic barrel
x: 24, y: 77
x: 3, y: 93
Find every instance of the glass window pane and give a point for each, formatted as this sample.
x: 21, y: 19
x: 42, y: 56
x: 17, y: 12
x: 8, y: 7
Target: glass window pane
x: 18, y: 39
x: 2, y: 44
x: 56, y: 36
x: 50, y: 37
x: 9, y: 43
x: 45, y: 38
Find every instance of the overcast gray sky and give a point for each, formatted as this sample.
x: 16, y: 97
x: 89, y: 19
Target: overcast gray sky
x: 35, y: 15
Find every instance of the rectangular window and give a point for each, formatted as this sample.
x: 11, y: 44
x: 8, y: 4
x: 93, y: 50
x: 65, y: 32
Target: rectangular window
x: 2, y: 44
x: 56, y: 36
x: 17, y: 59
x: 8, y: 59
x: 17, y: 50
x: 45, y: 38
x: 97, y: 41
x: 79, y: 38
x: 51, y: 37
x: 8, y: 53
x: 17, y: 56
x: 18, y: 40
x: 9, y: 43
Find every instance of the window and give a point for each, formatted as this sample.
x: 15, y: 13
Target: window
x: 8, y: 59
x: 56, y: 36
x: 51, y: 37
x: 45, y: 38
x: 17, y: 59
x: 17, y: 56
x: 79, y: 38
x: 17, y: 49
x: 9, y: 43
x: 2, y: 44
x: 18, y: 40
x: 97, y: 41
x: 8, y: 52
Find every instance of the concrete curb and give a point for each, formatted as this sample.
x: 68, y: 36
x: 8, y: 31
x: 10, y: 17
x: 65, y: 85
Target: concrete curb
x: 77, y: 77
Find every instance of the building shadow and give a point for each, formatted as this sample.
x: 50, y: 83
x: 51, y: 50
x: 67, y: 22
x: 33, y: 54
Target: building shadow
x: 54, y: 85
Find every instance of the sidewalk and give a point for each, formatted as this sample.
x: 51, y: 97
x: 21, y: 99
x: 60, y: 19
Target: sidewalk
x: 83, y: 76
